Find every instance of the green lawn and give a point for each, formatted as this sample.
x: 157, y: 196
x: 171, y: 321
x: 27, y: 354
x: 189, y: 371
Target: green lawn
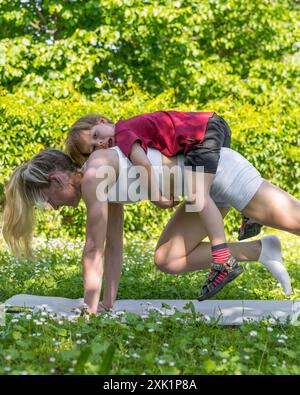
x: 128, y: 344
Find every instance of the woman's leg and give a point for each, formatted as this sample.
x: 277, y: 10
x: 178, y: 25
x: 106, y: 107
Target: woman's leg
x: 180, y: 248
x: 274, y: 207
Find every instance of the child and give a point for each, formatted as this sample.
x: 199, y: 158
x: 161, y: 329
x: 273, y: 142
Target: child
x: 198, y: 135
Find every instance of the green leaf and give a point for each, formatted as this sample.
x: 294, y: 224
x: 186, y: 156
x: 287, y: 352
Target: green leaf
x: 209, y: 365
x: 107, y: 360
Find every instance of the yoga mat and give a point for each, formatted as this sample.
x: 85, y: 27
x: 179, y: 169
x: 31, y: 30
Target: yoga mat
x: 227, y: 312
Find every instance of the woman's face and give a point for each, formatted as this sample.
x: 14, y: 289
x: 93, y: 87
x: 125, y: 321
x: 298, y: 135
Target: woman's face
x: 98, y: 137
x: 64, y: 189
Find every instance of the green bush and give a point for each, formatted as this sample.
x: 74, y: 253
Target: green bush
x: 61, y: 60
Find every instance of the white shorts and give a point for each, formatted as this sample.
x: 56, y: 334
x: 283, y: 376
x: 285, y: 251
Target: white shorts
x: 236, y: 180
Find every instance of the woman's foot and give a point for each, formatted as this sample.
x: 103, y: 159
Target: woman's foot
x: 219, y: 276
x: 271, y: 258
x: 248, y: 229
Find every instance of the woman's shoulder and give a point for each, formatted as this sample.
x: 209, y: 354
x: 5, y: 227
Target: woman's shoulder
x: 101, y: 157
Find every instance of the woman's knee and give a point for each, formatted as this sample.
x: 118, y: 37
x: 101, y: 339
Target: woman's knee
x: 160, y: 257
x: 163, y: 262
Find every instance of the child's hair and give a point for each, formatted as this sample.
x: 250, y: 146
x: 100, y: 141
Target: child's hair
x: 23, y: 191
x: 72, y: 141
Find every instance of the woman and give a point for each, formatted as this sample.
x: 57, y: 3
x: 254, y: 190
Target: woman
x: 52, y: 177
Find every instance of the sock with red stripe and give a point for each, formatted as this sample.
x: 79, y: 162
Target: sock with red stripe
x: 220, y: 254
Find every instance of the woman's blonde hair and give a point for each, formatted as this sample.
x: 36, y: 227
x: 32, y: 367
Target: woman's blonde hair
x: 72, y: 142
x: 23, y: 191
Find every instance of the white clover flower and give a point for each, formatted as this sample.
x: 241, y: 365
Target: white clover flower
x: 52, y: 359
x: 130, y: 337
x: 272, y: 321
x: 161, y: 362
x: 28, y: 317
x: 207, y: 319
x: 135, y: 355
x: 284, y: 337
x: 57, y: 343
x: 246, y: 357
x: 171, y: 363
x: 281, y: 341
x: 120, y: 312
x: 269, y: 329
x: 74, y: 362
x: 8, y: 357
x: 52, y: 370
x: 24, y: 373
x: 60, y: 322
x: 166, y: 345
x: 204, y: 350
x: 44, y: 314
x: 150, y: 330
x: 84, y: 341
x: 253, y: 333
x: 78, y: 341
x: 7, y: 368
x: 78, y: 335
x: 71, y: 369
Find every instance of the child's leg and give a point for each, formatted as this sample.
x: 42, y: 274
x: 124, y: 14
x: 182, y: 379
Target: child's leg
x: 205, y: 157
x: 248, y: 228
x: 209, y: 213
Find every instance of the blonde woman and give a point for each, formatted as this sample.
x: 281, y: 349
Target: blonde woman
x: 52, y: 177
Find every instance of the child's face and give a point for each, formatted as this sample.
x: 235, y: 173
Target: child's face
x: 99, y: 136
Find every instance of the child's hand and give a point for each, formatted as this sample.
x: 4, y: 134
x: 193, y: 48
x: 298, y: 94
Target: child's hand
x: 166, y: 203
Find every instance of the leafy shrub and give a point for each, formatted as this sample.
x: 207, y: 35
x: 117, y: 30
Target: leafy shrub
x: 121, y: 58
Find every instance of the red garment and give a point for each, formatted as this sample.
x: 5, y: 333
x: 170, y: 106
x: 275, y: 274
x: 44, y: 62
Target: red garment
x: 170, y: 132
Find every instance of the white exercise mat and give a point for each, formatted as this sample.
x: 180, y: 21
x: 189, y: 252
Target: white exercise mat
x: 227, y: 312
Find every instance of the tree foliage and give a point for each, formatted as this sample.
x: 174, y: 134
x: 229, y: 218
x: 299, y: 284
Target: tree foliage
x: 239, y: 58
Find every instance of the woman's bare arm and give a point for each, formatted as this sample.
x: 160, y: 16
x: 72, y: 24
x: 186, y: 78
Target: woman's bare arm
x: 96, y: 229
x: 113, y: 256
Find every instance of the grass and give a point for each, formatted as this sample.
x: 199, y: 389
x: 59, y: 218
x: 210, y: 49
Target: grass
x: 127, y: 344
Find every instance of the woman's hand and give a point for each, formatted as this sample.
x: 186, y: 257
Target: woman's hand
x: 84, y: 309
x: 102, y: 308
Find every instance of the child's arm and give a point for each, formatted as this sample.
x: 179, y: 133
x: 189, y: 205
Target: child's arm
x: 138, y: 157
